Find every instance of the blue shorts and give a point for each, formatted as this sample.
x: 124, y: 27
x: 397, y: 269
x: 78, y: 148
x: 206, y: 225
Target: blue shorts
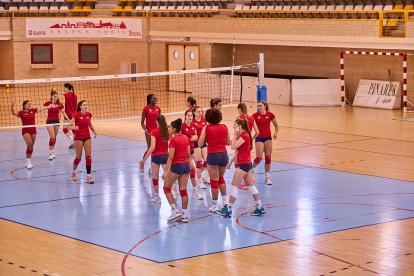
x: 160, y: 159
x: 180, y: 168
x: 262, y: 140
x: 245, y: 167
x: 196, y: 145
x: 48, y: 122
x: 218, y: 159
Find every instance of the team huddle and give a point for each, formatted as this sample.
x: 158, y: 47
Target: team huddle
x: 192, y: 148
x: 187, y: 148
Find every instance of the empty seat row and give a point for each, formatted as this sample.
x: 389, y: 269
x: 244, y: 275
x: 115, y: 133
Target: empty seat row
x: 316, y: 8
x: 34, y: 8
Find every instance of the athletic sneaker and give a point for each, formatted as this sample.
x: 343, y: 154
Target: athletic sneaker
x: 175, y: 214
x: 268, y: 181
x: 200, y: 184
x: 29, y: 166
x: 89, y: 180
x: 155, y: 199
x: 258, y: 211
x: 149, y: 171
x: 214, y: 208
x: 197, y: 194
x: 51, y: 156
x: 223, y: 211
x: 184, y: 218
x: 72, y: 146
x: 73, y: 176
x: 228, y: 214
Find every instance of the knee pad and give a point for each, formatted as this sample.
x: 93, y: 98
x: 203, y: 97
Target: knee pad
x: 52, y: 142
x: 257, y: 160
x: 214, y: 184
x: 253, y: 189
x: 183, y: 192
x: 234, y: 191
x: 221, y: 180
x: 192, y: 173
x: 199, y: 164
x: 29, y: 150
x: 88, y: 160
x: 167, y: 190
x: 155, y: 182
x: 205, y: 164
x: 76, y: 161
x: 65, y: 130
x: 268, y: 159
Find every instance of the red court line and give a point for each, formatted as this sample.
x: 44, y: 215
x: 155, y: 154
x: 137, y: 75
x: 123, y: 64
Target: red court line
x: 295, y: 244
x: 124, y: 260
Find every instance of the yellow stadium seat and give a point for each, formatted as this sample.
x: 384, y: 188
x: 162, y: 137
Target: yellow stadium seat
x: 398, y: 7
x: 409, y: 8
x: 392, y: 22
x: 117, y: 9
x: 127, y: 8
x: 86, y: 9
x: 77, y: 8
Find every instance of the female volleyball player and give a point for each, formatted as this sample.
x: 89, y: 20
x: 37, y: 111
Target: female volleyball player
x: 188, y: 129
x: 71, y: 102
x: 191, y: 103
x: 80, y: 123
x: 263, y: 118
x: 178, y: 168
x: 216, y: 103
x: 217, y: 137
x: 159, y: 154
x: 149, y: 121
x: 28, y: 117
x: 242, y: 142
x: 200, y: 151
x: 242, y: 109
x: 53, y: 113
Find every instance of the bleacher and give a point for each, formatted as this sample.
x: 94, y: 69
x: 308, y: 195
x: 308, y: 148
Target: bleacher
x: 289, y: 9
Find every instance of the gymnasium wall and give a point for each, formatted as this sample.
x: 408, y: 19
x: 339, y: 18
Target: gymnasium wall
x: 6, y: 58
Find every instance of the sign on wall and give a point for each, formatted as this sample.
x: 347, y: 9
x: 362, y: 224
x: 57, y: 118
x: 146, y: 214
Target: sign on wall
x: 378, y: 94
x: 85, y: 27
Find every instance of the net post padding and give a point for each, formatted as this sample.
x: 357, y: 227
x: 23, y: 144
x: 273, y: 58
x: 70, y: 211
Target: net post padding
x: 405, y: 101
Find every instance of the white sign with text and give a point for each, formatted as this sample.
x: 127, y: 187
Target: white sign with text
x: 85, y: 27
x: 378, y: 94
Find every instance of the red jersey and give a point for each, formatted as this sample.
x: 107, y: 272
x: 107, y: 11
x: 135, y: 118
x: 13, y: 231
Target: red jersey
x: 189, y: 131
x: 198, y: 125
x: 216, y: 138
x: 263, y: 123
x: 243, y: 152
x: 151, y: 113
x: 71, y: 102
x: 28, y: 118
x: 180, y: 143
x: 249, y: 119
x: 161, y: 147
x: 53, y: 111
x: 82, y: 121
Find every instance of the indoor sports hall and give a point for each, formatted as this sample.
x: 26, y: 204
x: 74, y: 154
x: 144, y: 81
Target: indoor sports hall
x: 337, y: 75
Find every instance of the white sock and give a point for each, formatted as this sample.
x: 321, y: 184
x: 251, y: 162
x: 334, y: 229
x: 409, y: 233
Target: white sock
x: 50, y: 151
x: 259, y: 203
x: 267, y: 174
x: 173, y: 207
x: 230, y: 205
x: 224, y: 198
x: 185, y: 212
x: 215, y: 202
x: 28, y: 160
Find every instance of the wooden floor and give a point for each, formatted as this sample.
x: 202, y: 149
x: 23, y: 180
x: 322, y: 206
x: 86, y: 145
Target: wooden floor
x: 356, y: 140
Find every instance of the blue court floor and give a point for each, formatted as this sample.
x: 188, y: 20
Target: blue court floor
x: 115, y: 212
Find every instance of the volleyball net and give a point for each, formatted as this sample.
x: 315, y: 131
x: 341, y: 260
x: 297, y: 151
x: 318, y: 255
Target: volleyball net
x: 122, y: 97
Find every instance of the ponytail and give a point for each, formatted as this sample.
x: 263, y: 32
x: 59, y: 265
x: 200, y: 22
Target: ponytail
x: 69, y: 87
x: 162, y: 123
x: 244, y: 125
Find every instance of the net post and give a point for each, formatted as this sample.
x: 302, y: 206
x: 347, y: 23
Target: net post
x: 341, y: 55
x: 261, y: 89
x: 405, y: 98
x: 261, y: 69
x: 232, y: 72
